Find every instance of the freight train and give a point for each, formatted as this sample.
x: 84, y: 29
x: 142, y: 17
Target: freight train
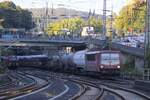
x: 12, y: 62
x: 93, y: 62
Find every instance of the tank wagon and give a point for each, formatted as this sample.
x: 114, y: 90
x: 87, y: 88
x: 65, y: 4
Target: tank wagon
x: 12, y: 62
x: 106, y: 62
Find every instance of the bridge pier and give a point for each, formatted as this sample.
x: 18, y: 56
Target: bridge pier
x: 137, y: 62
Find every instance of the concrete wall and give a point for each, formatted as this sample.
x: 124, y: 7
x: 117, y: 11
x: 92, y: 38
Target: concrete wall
x: 124, y: 58
x: 139, y: 61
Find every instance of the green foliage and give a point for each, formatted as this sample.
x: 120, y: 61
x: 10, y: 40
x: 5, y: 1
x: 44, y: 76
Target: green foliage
x: 131, y: 17
x: 8, y: 5
x: 14, y: 16
x: 97, y: 24
x: 129, y: 69
x: 74, y: 25
x: 129, y: 64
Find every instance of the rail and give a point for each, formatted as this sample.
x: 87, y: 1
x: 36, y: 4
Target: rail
x: 81, y: 92
x: 96, y: 97
x: 11, y: 93
x: 101, y: 92
x: 102, y: 86
x: 127, y: 90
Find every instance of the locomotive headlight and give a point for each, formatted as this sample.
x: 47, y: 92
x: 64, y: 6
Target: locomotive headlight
x: 118, y: 67
x: 102, y: 66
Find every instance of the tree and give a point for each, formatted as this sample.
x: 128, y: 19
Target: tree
x: 14, y: 16
x: 72, y: 24
x: 131, y: 17
x: 26, y: 19
x: 96, y: 23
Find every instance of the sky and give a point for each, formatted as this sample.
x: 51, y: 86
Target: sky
x: 83, y: 5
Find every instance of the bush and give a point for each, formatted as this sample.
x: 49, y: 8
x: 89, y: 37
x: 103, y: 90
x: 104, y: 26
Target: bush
x: 129, y: 64
x: 128, y: 70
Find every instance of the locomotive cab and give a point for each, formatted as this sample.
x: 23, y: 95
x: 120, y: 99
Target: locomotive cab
x: 110, y: 62
x: 104, y: 62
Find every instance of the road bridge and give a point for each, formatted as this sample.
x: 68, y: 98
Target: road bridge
x: 41, y: 42
x: 72, y: 43
x: 139, y: 52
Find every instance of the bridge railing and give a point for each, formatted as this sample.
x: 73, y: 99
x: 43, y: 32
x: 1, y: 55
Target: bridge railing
x: 127, y: 49
x: 67, y: 38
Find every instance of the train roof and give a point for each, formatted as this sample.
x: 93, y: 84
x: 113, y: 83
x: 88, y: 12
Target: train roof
x: 102, y: 51
x: 92, y: 52
x: 82, y: 51
x: 31, y: 56
x: 109, y: 51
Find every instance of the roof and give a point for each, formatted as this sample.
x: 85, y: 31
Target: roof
x: 32, y: 56
x: 93, y: 52
x: 109, y: 51
x: 102, y: 51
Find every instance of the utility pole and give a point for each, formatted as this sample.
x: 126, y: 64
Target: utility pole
x: 89, y: 21
x: 147, y: 33
x: 104, y: 18
x: 46, y: 17
x: 146, y: 73
x: 111, y: 25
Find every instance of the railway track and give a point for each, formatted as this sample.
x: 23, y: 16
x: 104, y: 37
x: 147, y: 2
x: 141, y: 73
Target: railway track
x: 94, y: 89
x: 88, y: 90
x: 121, y: 93
x: 106, y: 89
x: 9, y: 84
x: 21, y: 89
x: 127, y: 94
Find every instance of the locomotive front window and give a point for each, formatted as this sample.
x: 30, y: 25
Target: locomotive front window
x: 91, y: 57
x: 110, y: 58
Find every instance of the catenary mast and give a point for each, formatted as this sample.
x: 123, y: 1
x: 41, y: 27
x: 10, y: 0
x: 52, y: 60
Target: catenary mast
x: 147, y: 33
x: 104, y: 17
